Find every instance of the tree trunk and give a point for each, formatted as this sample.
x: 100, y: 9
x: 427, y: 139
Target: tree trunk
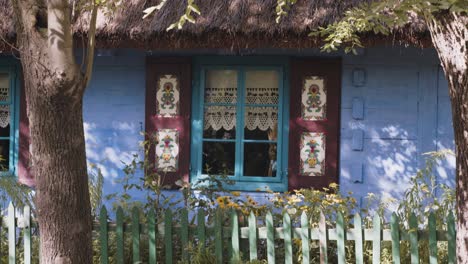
x: 449, y: 33
x: 54, y: 88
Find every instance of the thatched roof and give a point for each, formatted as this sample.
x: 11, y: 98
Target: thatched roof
x: 222, y: 24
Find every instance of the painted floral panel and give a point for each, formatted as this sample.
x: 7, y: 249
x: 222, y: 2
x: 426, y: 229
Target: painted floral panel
x: 167, y: 96
x: 167, y: 150
x: 312, y: 154
x: 314, y: 99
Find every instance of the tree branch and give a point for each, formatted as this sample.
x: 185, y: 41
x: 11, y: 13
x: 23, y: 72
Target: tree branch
x: 91, y: 45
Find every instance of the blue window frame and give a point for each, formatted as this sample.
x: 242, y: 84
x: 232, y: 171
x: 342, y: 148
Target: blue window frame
x: 250, y: 93
x: 9, y: 119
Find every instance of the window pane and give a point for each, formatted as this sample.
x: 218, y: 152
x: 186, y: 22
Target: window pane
x: 219, y: 122
x: 4, y: 87
x: 221, y: 86
x: 260, y: 159
x: 4, y: 155
x: 218, y: 158
x: 261, y: 123
x: 261, y: 87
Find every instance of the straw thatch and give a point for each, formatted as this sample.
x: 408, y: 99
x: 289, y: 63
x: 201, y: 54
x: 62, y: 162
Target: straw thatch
x: 222, y: 24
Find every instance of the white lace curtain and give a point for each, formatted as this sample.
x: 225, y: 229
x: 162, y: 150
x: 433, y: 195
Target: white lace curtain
x: 4, y: 109
x: 261, y: 117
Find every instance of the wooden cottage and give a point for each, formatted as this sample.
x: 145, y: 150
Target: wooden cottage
x: 240, y: 95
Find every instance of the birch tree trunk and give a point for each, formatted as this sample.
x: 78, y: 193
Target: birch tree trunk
x: 54, y: 88
x: 449, y: 33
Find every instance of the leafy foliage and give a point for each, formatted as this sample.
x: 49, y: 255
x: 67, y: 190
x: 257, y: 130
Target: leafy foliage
x: 380, y: 17
x: 282, y: 8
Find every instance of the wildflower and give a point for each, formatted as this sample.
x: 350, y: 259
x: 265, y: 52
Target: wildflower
x: 294, y: 199
x: 235, y: 194
x: 220, y: 200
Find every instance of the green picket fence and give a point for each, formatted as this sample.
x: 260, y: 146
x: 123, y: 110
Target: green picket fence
x: 162, y: 233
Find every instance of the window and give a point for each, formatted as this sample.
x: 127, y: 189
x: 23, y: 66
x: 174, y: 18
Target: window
x: 265, y: 122
x: 8, y: 121
x: 238, y: 124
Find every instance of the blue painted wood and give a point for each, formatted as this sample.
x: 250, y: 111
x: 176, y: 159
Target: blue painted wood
x: 359, y: 77
x: 397, y: 80
x: 357, y: 173
x: 10, y: 68
x: 358, y: 108
x: 358, y: 140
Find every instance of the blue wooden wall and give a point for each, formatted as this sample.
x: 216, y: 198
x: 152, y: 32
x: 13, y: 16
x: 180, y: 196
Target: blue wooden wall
x: 395, y: 107
x: 400, y: 111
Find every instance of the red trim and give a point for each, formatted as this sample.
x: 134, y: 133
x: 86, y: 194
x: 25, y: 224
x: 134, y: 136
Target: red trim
x: 25, y: 175
x: 180, y: 67
x: 331, y: 70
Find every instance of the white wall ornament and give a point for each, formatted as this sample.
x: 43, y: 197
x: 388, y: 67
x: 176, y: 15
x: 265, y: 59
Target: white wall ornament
x: 314, y: 99
x: 312, y: 154
x: 167, y: 96
x: 167, y: 150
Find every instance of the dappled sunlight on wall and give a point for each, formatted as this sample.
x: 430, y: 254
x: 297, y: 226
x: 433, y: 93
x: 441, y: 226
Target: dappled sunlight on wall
x: 390, y: 119
x: 114, y: 115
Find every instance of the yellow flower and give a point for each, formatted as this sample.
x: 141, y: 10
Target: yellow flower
x: 220, y: 200
x: 235, y: 194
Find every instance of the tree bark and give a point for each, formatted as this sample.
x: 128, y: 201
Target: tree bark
x: 54, y: 88
x: 449, y: 32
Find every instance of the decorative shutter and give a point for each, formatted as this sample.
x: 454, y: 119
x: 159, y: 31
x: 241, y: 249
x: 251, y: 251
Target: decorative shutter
x: 168, y: 98
x: 314, y: 123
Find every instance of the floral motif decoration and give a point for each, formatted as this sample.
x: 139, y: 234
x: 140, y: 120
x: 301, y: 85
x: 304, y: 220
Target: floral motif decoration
x: 167, y: 96
x: 312, y: 154
x: 167, y: 150
x: 314, y: 99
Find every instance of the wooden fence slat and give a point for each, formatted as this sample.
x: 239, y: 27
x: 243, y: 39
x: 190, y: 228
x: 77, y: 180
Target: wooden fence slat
x: 120, y: 236
x: 184, y: 234
x: 341, y: 232
x: 359, y: 250
x: 395, y: 231
x: 253, y: 232
x: 432, y: 239
x: 168, y: 236
x: 252, y: 236
x: 136, y: 234
x: 11, y: 223
x: 413, y: 238
x: 323, y: 239
x: 152, y: 237
x: 451, y: 237
x: 27, y: 234
x: 305, y: 238
x: 201, y: 228
x: 376, y: 239
x: 287, y: 234
x: 235, y: 258
x: 218, y: 236
x: 270, y: 238
x: 103, y: 235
